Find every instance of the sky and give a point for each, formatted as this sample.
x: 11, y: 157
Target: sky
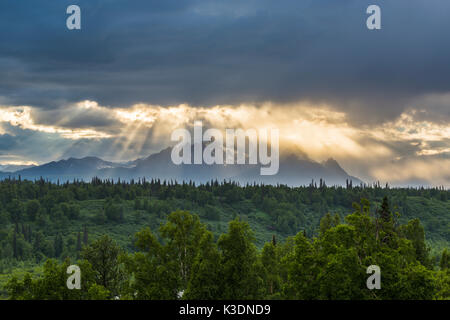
x: 377, y: 101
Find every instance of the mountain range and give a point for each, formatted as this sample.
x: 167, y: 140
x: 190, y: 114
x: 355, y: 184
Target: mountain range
x: 293, y: 171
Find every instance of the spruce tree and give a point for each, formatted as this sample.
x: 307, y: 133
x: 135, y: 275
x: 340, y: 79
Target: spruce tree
x: 79, y: 242
x: 58, y: 245
x: 445, y: 260
x: 385, y: 212
x: 85, y: 236
x: 14, y: 244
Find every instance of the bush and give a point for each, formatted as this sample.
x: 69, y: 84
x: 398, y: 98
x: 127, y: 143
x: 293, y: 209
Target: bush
x: 114, y: 212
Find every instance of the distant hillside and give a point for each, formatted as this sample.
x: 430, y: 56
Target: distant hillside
x: 13, y: 167
x: 70, y: 168
x: 293, y: 171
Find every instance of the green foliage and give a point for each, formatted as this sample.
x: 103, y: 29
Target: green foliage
x: 103, y: 255
x: 333, y: 266
x: 240, y: 279
x: 271, y: 270
x: 404, y: 231
x: 154, y: 274
x: 205, y: 281
x: 114, y: 212
x: 32, y: 209
x: 445, y: 260
x: 51, y: 285
x: 414, y: 232
x: 183, y: 232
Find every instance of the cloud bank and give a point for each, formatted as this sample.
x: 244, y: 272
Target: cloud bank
x: 411, y: 149
x: 379, y: 102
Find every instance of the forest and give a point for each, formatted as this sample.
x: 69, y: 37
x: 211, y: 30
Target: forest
x: 167, y: 240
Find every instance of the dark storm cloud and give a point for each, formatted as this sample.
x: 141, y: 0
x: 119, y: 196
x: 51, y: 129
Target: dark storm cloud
x: 433, y: 108
x: 76, y: 117
x: 6, y: 142
x: 30, y: 145
x: 207, y: 52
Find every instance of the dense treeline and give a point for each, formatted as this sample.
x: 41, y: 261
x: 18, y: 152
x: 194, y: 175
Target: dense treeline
x: 34, y: 215
x: 186, y: 263
x: 41, y: 220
